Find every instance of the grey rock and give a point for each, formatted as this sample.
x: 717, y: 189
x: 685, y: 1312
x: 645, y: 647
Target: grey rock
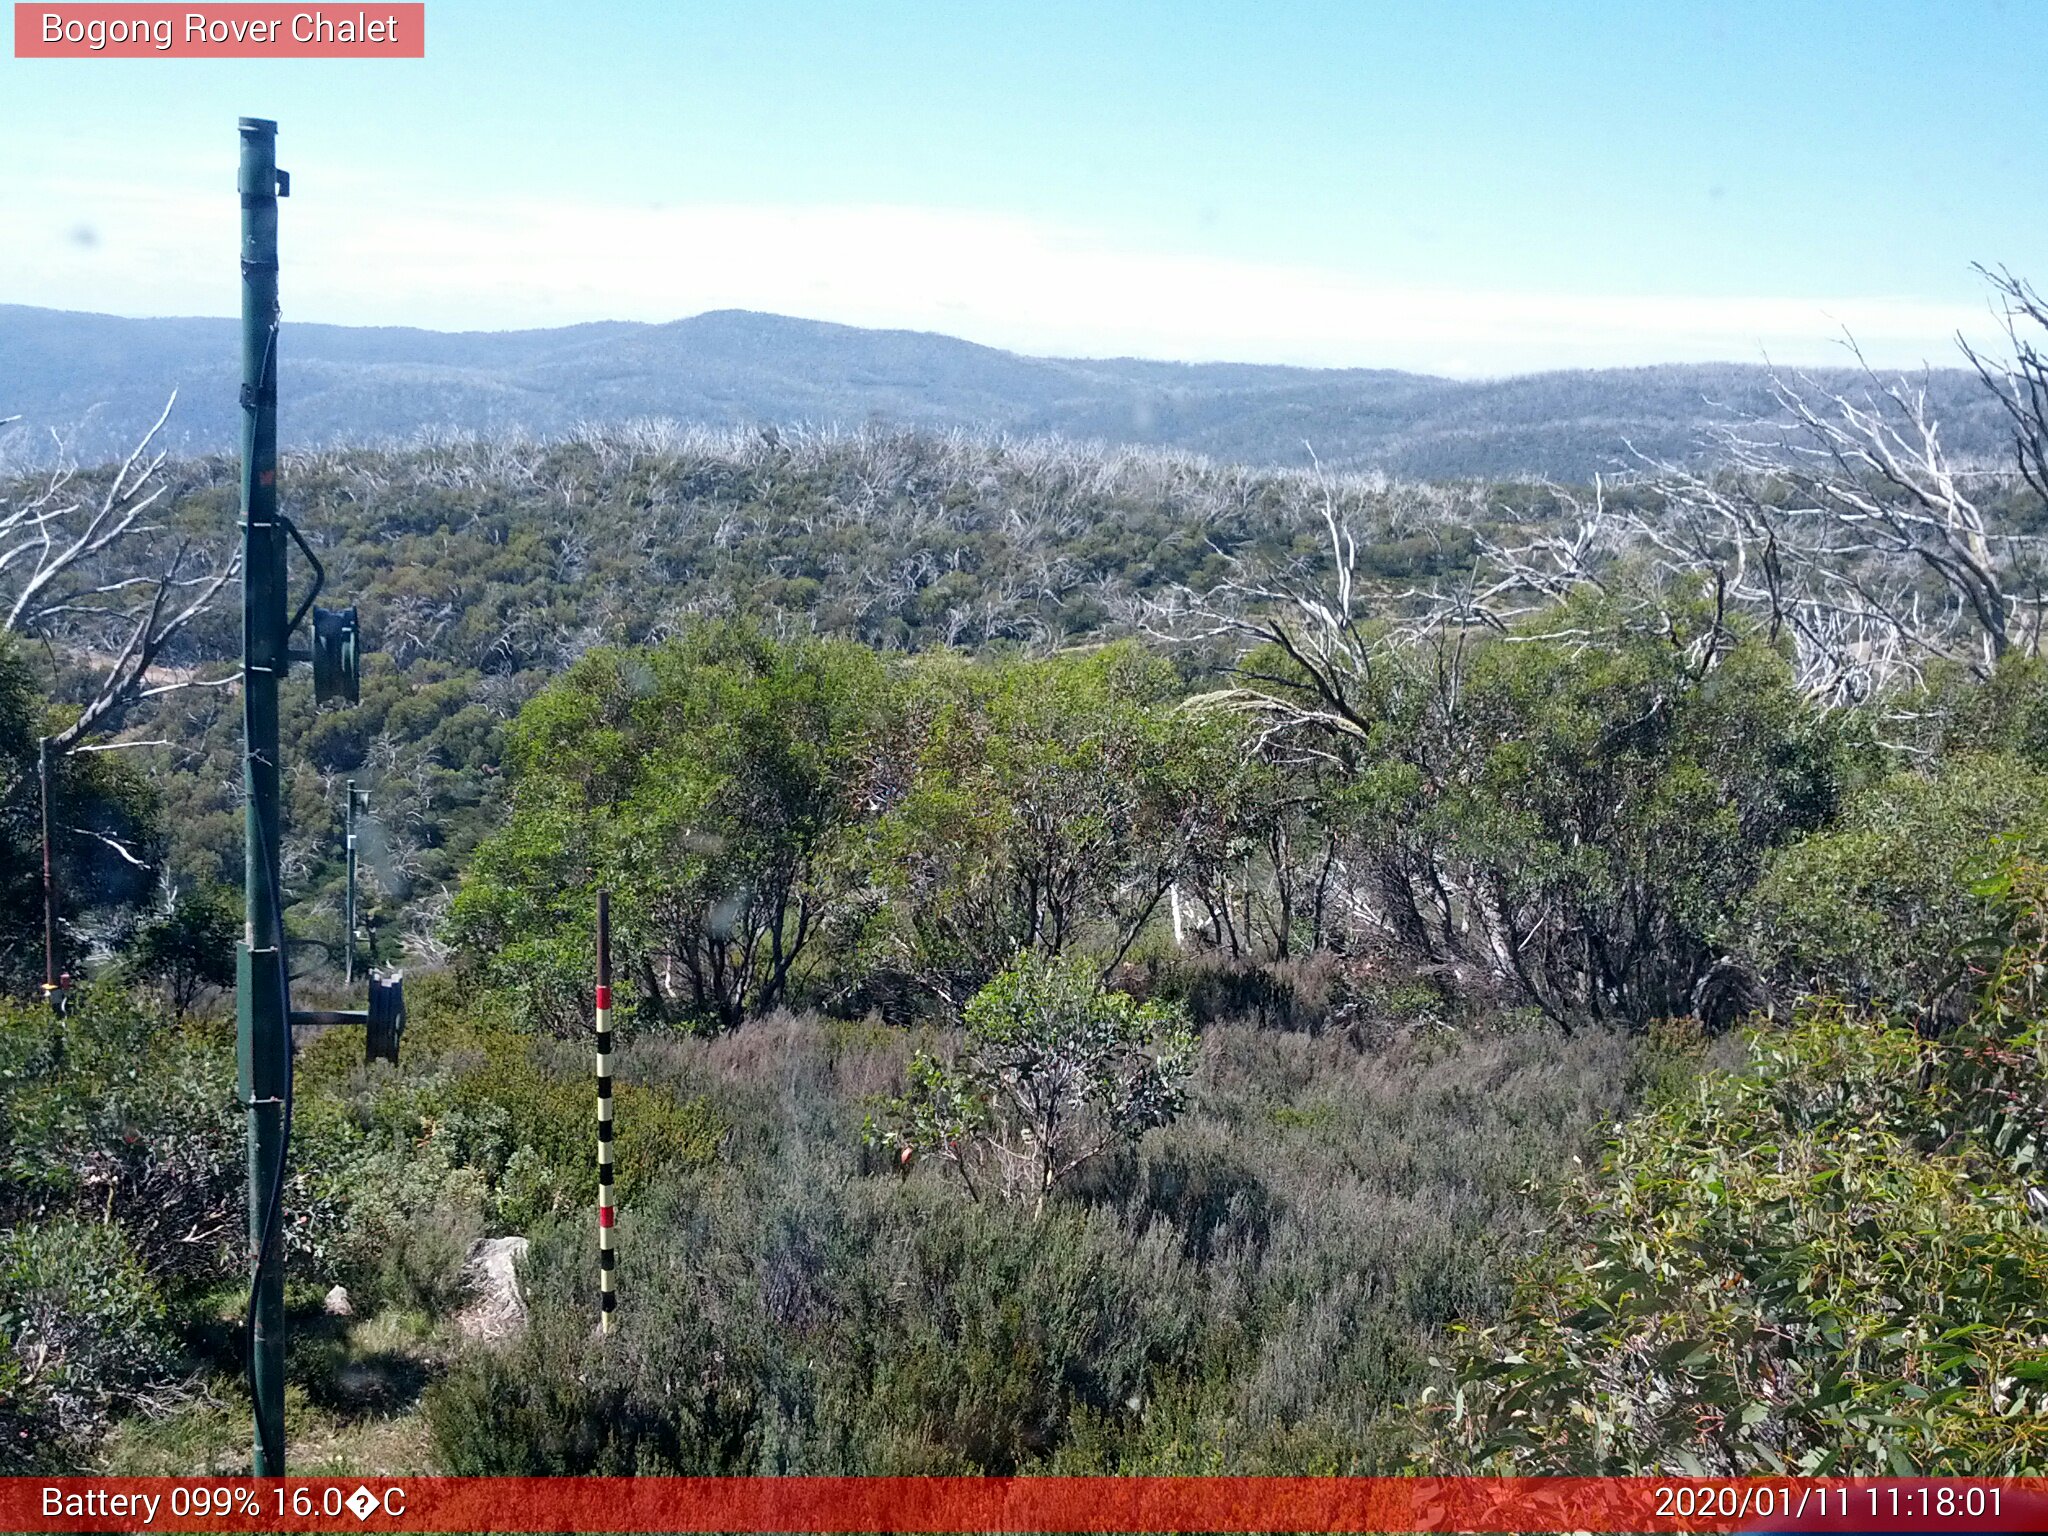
x: 497, y: 1308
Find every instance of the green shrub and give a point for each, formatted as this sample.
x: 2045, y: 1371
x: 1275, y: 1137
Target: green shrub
x: 1056, y: 1072
x: 101, y: 797
x: 1670, y: 1062
x: 85, y: 1333
x: 1825, y: 1262
x: 188, y: 945
x: 710, y: 785
x: 1205, y: 1190
x: 1254, y: 1288
x: 407, y: 1167
x: 1620, y: 799
x: 2006, y: 713
x: 1310, y: 993
x: 390, y: 1208
x: 1875, y: 908
x: 1038, y: 805
x: 552, y: 1120
x: 804, y: 1334
x: 115, y: 1111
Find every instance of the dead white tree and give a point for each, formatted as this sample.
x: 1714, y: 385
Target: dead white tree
x: 1843, y: 526
x: 2021, y: 381
x: 1330, y: 658
x: 90, y: 572
x: 1843, y: 530
x: 1880, y: 513
x: 68, y: 573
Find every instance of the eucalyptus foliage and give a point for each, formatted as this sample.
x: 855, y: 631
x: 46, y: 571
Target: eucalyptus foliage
x: 1043, y: 805
x: 1828, y: 1261
x: 1054, y: 1072
x: 1875, y: 907
x: 709, y: 786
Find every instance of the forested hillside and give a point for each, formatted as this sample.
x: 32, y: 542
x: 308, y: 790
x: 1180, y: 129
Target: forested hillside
x: 483, y: 570
x: 1124, y: 963
x: 92, y: 377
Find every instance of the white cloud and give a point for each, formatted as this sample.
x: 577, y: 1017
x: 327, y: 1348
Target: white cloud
x: 357, y: 255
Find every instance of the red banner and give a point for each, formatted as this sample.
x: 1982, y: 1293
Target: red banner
x: 1062, y: 1504
x: 102, y: 31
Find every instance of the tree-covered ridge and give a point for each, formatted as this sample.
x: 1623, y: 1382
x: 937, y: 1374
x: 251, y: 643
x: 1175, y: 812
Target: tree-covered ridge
x: 484, y: 570
x: 737, y: 369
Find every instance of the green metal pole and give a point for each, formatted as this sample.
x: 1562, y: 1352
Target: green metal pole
x: 263, y: 1033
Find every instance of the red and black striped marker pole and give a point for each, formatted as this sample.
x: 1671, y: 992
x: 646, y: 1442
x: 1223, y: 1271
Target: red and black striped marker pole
x: 607, y: 1254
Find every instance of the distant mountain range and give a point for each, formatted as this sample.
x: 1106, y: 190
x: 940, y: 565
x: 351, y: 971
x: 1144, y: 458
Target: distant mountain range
x: 101, y: 379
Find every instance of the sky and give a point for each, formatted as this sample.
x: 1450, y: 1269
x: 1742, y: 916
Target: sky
x: 1461, y: 188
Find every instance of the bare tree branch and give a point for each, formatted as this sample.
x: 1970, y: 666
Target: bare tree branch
x: 54, y: 549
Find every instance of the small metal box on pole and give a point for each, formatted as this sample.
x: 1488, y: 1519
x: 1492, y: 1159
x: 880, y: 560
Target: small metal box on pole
x: 337, y: 663
x: 386, y: 1021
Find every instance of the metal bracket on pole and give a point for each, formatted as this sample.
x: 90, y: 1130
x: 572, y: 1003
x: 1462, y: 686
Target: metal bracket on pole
x: 383, y: 1021
x: 319, y: 573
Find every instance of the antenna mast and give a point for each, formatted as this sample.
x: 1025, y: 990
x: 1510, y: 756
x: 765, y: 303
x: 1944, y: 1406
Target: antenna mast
x: 263, y: 1030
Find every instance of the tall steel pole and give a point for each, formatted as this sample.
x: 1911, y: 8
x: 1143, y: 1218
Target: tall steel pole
x: 263, y: 1032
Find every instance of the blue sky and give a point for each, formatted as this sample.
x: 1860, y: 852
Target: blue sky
x: 1458, y: 187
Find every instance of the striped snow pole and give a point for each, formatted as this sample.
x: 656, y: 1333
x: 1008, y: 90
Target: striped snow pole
x: 607, y: 1254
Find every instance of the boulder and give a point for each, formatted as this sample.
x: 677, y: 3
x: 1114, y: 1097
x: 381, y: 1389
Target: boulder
x: 497, y: 1307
